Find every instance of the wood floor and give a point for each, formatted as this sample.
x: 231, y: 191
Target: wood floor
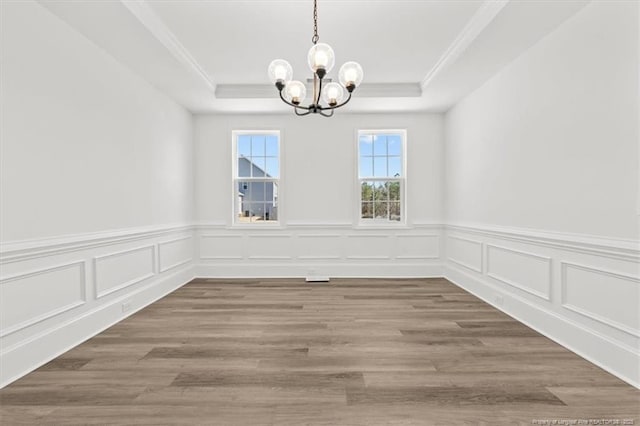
x: 352, y: 352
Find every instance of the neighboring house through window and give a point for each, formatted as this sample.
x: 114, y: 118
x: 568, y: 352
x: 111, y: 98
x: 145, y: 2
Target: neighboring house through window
x: 381, y: 176
x: 256, y: 176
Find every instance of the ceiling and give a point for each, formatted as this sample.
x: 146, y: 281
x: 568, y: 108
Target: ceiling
x: 212, y: 55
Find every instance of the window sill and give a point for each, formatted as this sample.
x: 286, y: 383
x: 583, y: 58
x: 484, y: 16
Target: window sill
x: 382, y: 225
x: 277, y: 225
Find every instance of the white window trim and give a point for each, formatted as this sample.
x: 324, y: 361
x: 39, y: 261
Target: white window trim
x: 381, y: 223
x: 235, y: 179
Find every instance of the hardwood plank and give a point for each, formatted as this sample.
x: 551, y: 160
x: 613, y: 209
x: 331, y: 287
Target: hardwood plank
x: 274, y: 379
x: 240, y: 396
x: 64, y: 364
x: 613, y: 396
x: 452, y: 395
x: 193, y: 352
x: 69, y: 395
x: 277, y: 306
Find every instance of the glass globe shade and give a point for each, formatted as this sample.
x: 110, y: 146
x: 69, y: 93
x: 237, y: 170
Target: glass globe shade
x: 321, y: 56
x: 295, y: 92
x: 332, y: 93
x: 350, y: 73
x: 280, y: 70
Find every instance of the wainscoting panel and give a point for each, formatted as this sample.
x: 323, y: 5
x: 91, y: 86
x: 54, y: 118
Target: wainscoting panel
x: 221, y: 247
x: 525, y: 271
x: 175, y: 253
x: 465, y: 252
x: 269, y: 246
x: 368, y: 246
x: 417, y: 246
x: 319, y: 247
x: 50, y: 291
x: 121, y: 269
x: 577, y: 290
x: 602, y: 295
x: 56, y: 293
x: 334, y: 250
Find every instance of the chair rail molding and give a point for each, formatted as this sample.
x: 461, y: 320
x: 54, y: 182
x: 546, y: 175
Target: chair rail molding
x: 16, y: 251
x: 608, y: 247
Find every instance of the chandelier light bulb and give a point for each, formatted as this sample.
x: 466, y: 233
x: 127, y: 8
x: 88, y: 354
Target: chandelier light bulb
x: 321, y: 59
x: 321, y: 56
x: 351, y: 74
x: 332, y: 94
x: 280, y: 71
x: 295, y: 92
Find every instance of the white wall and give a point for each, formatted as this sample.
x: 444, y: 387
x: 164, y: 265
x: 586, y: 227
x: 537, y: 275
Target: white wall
x: 319, y: 164
x: 551, y: 142
x: 541, y: 186
x: 87, y: 146
x: 318, y: 211
x: 97, y: 190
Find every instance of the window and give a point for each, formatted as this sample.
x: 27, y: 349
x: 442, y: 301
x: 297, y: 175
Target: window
x: 256, y: 176
x: 381, y: 174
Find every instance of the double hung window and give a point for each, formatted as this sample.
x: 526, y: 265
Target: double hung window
x: 256, y: 176
x: 381, y: 176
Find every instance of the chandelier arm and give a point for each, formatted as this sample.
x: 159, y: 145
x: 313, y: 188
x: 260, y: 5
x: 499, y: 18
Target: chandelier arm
x: 317, y: 101
x: 292, y: 104
x: 342, y: 104
x: 326, y: 115
x: 301, y: 114
x: 315, y: 88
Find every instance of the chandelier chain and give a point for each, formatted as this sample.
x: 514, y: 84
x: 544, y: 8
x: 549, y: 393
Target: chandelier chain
x: 315, y: 37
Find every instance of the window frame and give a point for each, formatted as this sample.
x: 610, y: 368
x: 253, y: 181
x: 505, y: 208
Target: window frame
x: 235, y: 179
x: 373, y: 222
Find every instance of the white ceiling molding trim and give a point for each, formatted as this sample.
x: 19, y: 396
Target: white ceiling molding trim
x: 152, y: 22
x: 244, y: 91
x: 370, y: 90
x: 390, y: 90
x: 480, y: 20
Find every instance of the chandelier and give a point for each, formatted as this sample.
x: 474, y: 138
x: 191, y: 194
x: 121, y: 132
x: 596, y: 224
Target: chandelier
x: 321, y: 60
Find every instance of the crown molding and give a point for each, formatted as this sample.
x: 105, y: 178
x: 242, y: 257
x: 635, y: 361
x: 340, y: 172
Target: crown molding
x: 367, y: 90
x: 478, y: 22
x: 245, y: 91
x: 156, y: 26
x: 390, y: 90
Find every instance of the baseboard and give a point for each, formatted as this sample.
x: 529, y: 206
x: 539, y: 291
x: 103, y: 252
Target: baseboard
x: 618, y: 359
x: 20, y: 359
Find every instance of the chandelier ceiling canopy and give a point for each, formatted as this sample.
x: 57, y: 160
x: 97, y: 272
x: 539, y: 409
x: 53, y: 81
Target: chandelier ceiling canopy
x: 321, y: 59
